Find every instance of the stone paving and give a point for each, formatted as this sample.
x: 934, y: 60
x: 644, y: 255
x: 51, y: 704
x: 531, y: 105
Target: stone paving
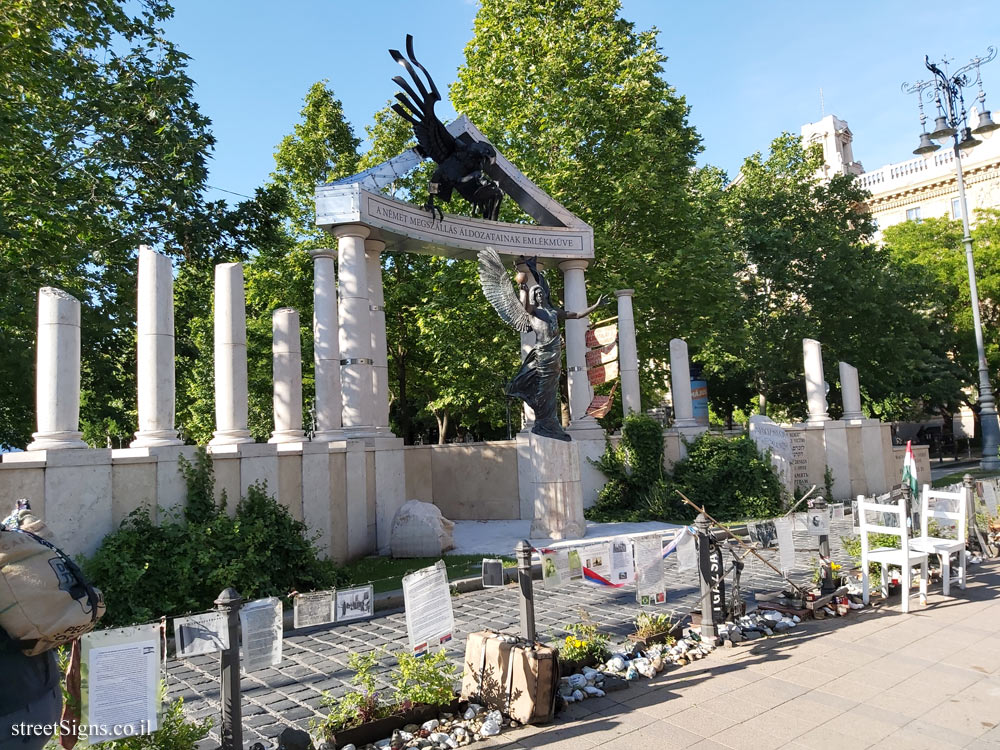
x: 315, y: 660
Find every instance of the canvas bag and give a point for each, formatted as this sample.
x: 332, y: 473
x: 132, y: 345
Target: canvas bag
x: 518, y: 678
x: 45, y: 600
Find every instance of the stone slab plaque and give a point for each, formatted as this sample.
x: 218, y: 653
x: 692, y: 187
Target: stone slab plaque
x: 769, y: 436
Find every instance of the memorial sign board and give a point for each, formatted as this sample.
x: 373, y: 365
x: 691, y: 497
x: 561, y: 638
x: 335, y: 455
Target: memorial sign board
x: 769, y: 436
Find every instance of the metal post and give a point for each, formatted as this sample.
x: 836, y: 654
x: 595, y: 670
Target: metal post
x: 523, y: 553
x: 970, y: 508
x: 826, y: 585
x: 228, y: 604
x: 702, y: 527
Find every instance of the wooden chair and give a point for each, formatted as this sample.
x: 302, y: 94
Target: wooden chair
x: 903, y: 558
x: 944, y: 547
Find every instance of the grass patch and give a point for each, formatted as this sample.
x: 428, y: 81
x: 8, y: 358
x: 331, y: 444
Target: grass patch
x: 956, y: 477
x: 387, y: 574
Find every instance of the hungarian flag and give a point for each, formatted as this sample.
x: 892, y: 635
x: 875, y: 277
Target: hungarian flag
x: 910, y: 470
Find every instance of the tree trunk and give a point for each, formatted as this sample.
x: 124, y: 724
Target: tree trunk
x: 442, y: 420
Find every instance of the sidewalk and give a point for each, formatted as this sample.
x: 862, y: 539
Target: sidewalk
x: 878, y: 678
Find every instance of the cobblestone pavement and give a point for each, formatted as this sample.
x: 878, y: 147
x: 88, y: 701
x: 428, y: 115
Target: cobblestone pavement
x: 315, y: 660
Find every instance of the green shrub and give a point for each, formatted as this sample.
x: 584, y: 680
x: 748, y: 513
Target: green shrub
x: 426, y: 679
x: 729, y: 478
x: 182, y: 564
x: 635, y: 489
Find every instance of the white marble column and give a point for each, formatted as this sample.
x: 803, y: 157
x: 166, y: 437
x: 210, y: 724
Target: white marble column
x: 680, y: 384
x: 379, y: 345
x: 286, y: 353
x: 155, y: 356
x: 527, y: 342
x: 355, y: 330
x: 580, y: 393
x: 850, y: 391
x: 326, y: 347
x: 628, y: 355
x: 812, y: 357
x: 231, y: 389
x: 57, y: 372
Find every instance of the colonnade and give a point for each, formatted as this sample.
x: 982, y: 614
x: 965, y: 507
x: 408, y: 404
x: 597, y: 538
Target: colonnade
x: 350, y: 353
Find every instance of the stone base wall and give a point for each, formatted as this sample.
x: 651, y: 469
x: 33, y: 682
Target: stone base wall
x: 466, y: 481
x: 346, y: 492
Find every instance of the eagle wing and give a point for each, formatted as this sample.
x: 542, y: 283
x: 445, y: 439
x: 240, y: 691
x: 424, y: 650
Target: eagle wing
x: 417, y: 108
x: 499, y: 291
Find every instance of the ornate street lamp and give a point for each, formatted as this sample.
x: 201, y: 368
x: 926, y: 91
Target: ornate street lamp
x: 952, y: 122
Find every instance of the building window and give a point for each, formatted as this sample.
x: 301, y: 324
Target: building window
x: 956, y: 209
x: 913, y: 214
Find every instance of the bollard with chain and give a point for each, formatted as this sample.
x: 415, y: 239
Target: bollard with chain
x: 523, y: 553
x: 228, y: 604
x: 702, y: 526
x: 827, y: 586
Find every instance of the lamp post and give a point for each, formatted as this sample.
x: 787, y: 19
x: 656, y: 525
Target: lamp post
x: 952, y: 124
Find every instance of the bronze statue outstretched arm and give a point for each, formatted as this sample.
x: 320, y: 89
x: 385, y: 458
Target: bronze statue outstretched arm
x: 565, y: 315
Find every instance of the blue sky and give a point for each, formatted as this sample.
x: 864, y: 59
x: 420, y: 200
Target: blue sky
x: 749, y: 69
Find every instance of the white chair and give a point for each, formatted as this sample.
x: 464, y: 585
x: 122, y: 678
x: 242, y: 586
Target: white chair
x: 944, y: 547
x: 903, y: 558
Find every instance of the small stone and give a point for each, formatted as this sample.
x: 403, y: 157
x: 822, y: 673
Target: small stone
x: 658, y: 664
x: 578, y: 695
x: 617, y: 664
x: 797, y: 618
x: 781, y: 627
x: 411, y: 728
x: 736, y: 636
x: 438, y: 737
x: 576, y: 681
x: 591, y: 690
x: 631, y: 673
x: 447, y: 716
x: 752, y: 635
x: 590, y: 673
x: 772, y: 615
x: 349, y: 746
x: 613, y: 683
x: 471, y: 712
x: 490, y: 728
x: 431, y: 725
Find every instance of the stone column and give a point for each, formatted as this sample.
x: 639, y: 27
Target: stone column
x: 850, y: 391
x: 680, y: 384
x: 231, y: 390
x: 527, y: 342
x: 379, y: 346
x: 812, y: 356
x: 286, y: 352
x: 580, y: 393
x: 355, y: 330
x: 326, y: 347
x: 628, y: 356
x: 57, y: 372
x: 155, y: 356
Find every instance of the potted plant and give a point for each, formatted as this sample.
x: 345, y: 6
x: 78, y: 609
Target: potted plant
x: 650, y: 628
x: 585, y: 646
x: 424, y: 686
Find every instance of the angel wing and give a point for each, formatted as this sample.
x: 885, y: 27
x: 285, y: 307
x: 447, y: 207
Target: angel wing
x: 435, y: 142
x: 499, y: 291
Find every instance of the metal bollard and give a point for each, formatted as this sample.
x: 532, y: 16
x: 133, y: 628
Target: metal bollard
x: 228, y: 604
x: 826, y: 586
x: 702, y: 526
x: 972, y: 528
x: 523, y: 554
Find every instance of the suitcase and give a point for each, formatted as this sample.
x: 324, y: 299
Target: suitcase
x: 518, y: 678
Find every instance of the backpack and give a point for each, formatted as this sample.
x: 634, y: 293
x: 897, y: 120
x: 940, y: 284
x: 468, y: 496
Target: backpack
x: 45, y: 600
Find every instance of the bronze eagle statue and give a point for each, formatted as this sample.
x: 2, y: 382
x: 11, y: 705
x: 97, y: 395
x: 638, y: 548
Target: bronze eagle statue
x: 461, y: 166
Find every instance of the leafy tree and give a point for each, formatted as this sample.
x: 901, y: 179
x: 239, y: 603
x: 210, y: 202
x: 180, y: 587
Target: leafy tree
x: 932, y: 254
x: 809, y: 269
x: 575, y: 96
x: 104, y: 149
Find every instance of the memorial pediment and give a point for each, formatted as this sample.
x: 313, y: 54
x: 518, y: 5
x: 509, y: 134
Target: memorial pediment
x: 406, y: 227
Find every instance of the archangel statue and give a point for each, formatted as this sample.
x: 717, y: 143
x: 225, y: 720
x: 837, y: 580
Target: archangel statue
x: 537, y: 382
x: 461, y: 165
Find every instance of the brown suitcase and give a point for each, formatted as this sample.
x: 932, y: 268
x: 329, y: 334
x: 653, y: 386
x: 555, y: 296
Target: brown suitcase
x: 519, y: 678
